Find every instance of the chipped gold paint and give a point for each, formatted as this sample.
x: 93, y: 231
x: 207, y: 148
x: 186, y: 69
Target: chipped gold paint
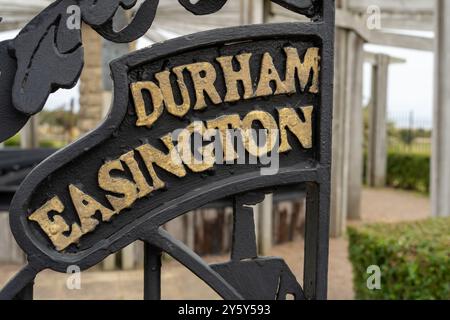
x: 143, y: 187
x: 167, y: 91
x: 86, y: 207
x: 174, y: 162
x: 223, y: 124
x: 171, y: 162
x: 185, y: 148
x: 302, y: 69
x: 204, y: 84
x: 232, y: 78
x: 122, y: 190
x: 204, y: 81
x: 268, y: 75
x: 157, y: 97
x: 268, y: 123
x: 121, y: 186
x: 302, y: 130
x: 56, y: 227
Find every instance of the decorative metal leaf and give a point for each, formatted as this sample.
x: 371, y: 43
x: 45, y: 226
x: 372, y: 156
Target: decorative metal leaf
x: 304, y: 7
x: 11, y: 119
x: 49, y: 56
x: 96, y: 13
x: 203, y: 7
x: 142, y: 21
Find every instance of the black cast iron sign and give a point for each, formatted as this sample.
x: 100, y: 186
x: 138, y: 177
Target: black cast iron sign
x: 139, y: 169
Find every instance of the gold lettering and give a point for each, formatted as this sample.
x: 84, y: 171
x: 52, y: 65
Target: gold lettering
x: 170, y: 162
x: 302, y: 130
x: 204, y: 76
x: 223, y: 124
x: 87, y: 207
x: 157, y: 97
x: 126, y: 190
x: 56, y: 227
x: 141, y: 183
x: 303, y: 70
x: 117, y: 185
x: 233, y: 77
x: 207, y: 152
x: 268, y: 75
x: 167, y: 91
x: 269, y: 123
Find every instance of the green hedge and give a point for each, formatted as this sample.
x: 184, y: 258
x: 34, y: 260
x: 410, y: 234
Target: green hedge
x: 414, y: 259
x: 409, y: 171
x: 13, y: 141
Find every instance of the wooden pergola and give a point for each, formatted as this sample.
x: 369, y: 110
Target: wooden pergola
x: 398, y: 18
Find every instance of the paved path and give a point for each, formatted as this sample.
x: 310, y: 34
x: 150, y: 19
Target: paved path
x: 382, y: 205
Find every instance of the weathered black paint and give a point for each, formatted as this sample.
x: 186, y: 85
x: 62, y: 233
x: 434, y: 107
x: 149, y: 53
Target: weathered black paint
x: 12, y: 120
x: 144, y: 220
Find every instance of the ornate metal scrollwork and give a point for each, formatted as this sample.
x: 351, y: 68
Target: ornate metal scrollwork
x: 203, y: 7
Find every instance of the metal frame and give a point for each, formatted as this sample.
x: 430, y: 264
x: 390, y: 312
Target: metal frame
x: 244, y: 189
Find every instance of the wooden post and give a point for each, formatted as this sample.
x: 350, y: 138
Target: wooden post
x: 354, y: 98
x: 91, y: 84
x: 109, y: 264
x: 440, y: 169
x: 265, y: 225
x: 377, y: 155
x: 344, y: 166
x: 253, y: 11
x: 10, y: 252
x: 29, y: 138
x: 190, y: 229
x: 128, y: 257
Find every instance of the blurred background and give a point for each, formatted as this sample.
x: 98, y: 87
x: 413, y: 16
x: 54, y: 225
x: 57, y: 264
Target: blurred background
x: 391, y: 154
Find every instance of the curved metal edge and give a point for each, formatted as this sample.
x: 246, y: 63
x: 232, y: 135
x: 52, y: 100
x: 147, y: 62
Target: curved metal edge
x: 308, y: 8
x: 180, y: 252
x: 140, y: 24
x: 203, y: 7
x: 23, y: 278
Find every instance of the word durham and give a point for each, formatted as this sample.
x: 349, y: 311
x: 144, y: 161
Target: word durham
x: 123, y: 180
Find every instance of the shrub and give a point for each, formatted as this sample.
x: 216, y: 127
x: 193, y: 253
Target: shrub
x: 51, y: 144
x: 13, y: 141
x: 414, y: 259
x: 409, y: 171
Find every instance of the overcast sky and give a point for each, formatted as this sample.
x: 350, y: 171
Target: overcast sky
x: 410, y: 84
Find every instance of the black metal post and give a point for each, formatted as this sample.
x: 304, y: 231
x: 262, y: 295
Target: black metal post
x: 26, y: 293
x: 152, y: 272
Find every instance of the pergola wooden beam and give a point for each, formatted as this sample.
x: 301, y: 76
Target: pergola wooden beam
x: 409, y: 6
x: 395, y: 14
x: 371, y: 58
x: 401, y: 41
x: 347, y: 20
x: 407, y: 21
x: 409, y: 15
